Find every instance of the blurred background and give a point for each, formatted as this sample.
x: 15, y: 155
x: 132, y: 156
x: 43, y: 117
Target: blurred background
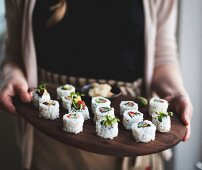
x: 9, y: 152
x: 190, y: 55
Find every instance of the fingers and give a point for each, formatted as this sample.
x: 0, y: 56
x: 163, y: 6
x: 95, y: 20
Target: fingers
x: 6, y: 100
x: 22, y: 91
x: 182, y: 105
x: 188, y: 133
x: 8, y: 91
x: 186, y: 118
x: 186, y: 114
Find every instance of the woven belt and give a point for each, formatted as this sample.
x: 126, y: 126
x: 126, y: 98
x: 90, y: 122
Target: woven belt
x: 127, y: 88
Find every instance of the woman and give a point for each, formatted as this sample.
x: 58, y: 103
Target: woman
x: 130, y: 39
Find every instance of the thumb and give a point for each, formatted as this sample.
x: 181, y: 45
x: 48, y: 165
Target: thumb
x: 186, y: 112
x: 181, y: 104
x: 22, y: 91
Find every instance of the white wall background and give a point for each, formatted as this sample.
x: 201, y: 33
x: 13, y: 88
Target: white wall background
x: 2, y: 20
x: 190, y: 49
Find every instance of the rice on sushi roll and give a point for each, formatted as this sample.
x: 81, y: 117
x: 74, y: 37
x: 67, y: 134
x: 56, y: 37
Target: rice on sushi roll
x: 144, y: 131
x: 162, y: 121
x: 128, y: 105
x: 73, y: 122
x: 103, y: 111
x: 107, y: 127
x: 49, y: 109
x: 130, y: 117
x: 39, y: 95
x: 99, y: 101
x: 67, y: 103
x: 79, y: 106
x: 84, y: 111
x: 157, y: 105
x: 65, y: 90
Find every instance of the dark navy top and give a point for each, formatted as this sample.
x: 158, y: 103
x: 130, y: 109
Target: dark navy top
x: 95, y: 39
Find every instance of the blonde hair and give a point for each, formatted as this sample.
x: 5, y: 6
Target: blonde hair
x: 59, y: 12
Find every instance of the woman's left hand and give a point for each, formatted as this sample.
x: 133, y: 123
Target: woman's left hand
x: 182, y: 105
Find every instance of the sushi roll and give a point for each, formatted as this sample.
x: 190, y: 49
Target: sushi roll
x: 130, y: 117
x: 162, y: 121
x: 79, y: 106
x: 39, y: 95
x: 49, y: 109
x: 73, y: 122
x: 65, y: 90
x: 157, y: 105
x: 103, y: 111
x: 107, y: 127
x: 128, y: 105
x: 84, y: 111
x: 99, y: 101
x: 66, y: 103
x: 144, y: 131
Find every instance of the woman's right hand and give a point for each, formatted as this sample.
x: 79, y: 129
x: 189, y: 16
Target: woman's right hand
x: 14, y: 83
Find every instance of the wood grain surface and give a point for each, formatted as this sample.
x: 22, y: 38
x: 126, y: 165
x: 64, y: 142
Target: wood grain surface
x: 123, y: 145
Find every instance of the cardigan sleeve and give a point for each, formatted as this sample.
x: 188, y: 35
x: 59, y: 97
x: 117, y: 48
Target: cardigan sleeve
x: 166, y: 45
x: 13, y: 41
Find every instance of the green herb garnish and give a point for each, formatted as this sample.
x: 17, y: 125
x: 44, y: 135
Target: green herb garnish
x: 41, y: 89
x: 109, y: 120
x: 161, y: 115
x: 77, y: 103
x: 76, y: 94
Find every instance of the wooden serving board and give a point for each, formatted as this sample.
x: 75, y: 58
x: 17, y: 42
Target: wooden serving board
x: 123, y: 145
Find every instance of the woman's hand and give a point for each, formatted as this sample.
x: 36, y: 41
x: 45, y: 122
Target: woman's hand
x: 182, y: 105
x: 167, y: 83
x: 14, y: 83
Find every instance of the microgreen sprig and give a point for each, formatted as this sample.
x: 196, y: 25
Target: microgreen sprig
x: 109, y: 120
x: 41, y: 89
x: 161, y: 115
x: 76, y: 97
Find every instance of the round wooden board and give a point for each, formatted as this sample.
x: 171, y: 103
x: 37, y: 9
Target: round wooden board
x: 123, y: 145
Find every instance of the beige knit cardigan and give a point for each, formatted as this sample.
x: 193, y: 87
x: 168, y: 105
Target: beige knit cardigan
x: 160, y: 47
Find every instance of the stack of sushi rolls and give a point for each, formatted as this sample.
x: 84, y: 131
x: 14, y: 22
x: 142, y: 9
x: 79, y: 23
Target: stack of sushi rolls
x: 102, y: 111
x: 144, y: 131
x: 107, y: 127
x: 130, y: 117
x: 99, y: 102
x: 64, y: 90
x: 73, y: 122
x: 67, y: 103
x: 128, y: 105
x: 49, y: 109
x: 157, y: 105
x: 162, y: 121
x: 79, y: 106
x: 39, y: 95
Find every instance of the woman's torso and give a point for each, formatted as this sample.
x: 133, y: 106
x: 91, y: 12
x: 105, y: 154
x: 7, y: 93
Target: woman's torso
x: 96, y: 39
